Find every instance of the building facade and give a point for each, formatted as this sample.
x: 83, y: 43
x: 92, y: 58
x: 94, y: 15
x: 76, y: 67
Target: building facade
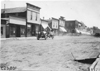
x: 74, y: 26
x: 70, y: 26
x: 61, y: 26
x: 54, y: 25
x: 33, y: 19
x: 21, y: 21
x: 16, y: 21
x: 44, y: 25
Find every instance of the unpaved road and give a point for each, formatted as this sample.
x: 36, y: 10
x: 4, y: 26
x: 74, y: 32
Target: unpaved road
x: 49, y: 55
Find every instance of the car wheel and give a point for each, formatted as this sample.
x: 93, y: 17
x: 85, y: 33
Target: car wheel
x: 37, y: 37
x: 45, y: 37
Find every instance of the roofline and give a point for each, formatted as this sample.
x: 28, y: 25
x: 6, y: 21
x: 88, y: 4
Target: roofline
x: 11, y: 8
x: 44, y: 20
x: 71, y: 20
x: 14, y: 7
x: 33, y: 5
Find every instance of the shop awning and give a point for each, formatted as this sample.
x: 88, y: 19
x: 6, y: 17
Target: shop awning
x: 63, y: 29
x: 17, y: 20
x: 78, y: 31
x: 45, y: 26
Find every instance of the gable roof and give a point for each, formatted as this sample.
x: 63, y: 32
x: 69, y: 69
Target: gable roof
x: 13, y: 10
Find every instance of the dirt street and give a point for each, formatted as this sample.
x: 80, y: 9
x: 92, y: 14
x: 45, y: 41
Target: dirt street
x: 49, y: 55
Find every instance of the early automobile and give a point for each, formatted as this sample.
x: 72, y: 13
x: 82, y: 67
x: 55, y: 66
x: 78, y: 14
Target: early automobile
x: 42, y: 34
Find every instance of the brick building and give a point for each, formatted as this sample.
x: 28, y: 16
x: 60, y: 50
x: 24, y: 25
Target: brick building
x: 73, y: 26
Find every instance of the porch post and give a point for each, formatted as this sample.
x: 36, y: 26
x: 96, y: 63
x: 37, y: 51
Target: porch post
x: 26, y: 24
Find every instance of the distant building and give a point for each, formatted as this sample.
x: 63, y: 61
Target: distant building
x: 70, y: 26
x: 62, y: 22
x: 44, y: 25
x: 54, y: 24
x: 73, y: 26
x: 20, y: 21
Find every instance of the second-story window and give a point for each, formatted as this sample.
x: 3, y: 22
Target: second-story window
x: 31, y: 16
x: 36, y: 17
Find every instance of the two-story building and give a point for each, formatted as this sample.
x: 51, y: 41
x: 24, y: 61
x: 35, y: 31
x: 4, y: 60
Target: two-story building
x: 33, y: 19
x: 70, y: 26
x: 54, y: 24
x: 20, y: 21
x: 16, y: 21
x: 74, y: 26
x: 62, y: 25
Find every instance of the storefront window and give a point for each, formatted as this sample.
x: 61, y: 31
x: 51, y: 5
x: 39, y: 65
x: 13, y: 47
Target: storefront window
x: 22, y: 30
x: 13, y: 30
x: 29, y: 29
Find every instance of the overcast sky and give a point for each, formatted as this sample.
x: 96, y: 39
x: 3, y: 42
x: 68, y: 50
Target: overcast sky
x: 87, y: 11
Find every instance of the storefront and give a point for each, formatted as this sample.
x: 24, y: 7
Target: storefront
x: 4, y: 21
x: 33, y: 19
x: 32, y: 29
x: 62, y: 29
x: 22, y: 21
x: 16, y: 30
x: 16, y: 27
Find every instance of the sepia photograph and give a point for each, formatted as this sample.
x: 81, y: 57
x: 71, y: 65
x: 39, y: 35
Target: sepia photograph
x: 50, y: 35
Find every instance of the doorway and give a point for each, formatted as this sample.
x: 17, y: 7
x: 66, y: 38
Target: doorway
x: 17, y: 31
x: 33, y: 30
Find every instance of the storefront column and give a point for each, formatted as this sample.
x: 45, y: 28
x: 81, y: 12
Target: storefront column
x: 7, y: 30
